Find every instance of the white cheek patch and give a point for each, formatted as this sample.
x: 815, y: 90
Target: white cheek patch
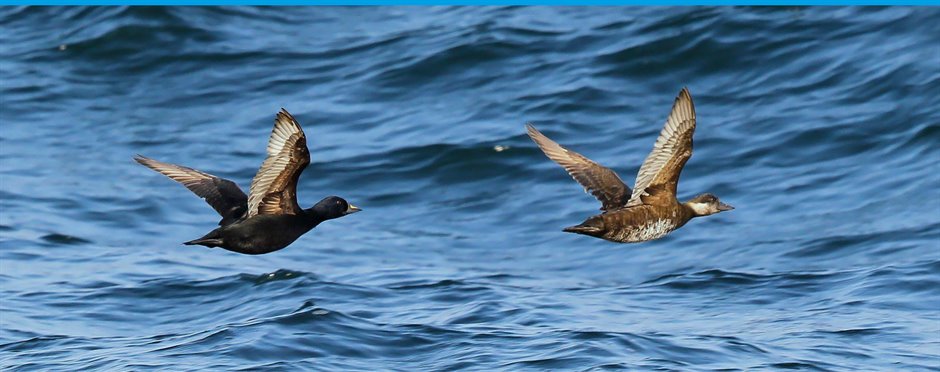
x: 700, y: 208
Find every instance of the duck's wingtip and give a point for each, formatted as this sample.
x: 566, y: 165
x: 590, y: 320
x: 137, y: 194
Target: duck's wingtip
x: 284, y: 114
x: 285, y: 118
x: 141, y: 159
x: 532, y: 131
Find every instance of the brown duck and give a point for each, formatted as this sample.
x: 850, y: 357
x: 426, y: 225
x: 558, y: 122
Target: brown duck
x: 651, y: 210
x: 269, y: 217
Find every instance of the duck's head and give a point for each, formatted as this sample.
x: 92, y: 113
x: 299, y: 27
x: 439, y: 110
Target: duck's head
x: 707, y: 204
x: 334, y: 207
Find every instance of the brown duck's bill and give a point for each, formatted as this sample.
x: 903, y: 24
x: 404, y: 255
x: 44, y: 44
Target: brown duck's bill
x: 724, y: 207
x: 352, y: 209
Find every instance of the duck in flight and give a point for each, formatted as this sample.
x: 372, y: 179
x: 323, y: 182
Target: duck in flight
x: 268, y: 218
x: 651, y: 210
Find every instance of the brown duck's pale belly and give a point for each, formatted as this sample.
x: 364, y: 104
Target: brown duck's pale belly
x: 653, y: 229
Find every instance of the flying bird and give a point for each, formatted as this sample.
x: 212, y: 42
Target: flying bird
x: 269, y: 217
x: 651, y: 210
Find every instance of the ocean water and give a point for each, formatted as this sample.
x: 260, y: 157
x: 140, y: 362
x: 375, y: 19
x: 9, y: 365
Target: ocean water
x: 820, y: 125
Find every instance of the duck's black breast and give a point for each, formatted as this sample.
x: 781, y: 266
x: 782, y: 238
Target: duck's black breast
x: 266, y: 233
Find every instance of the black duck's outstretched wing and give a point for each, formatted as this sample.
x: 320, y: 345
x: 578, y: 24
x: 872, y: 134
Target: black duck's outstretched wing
x: 600, y: 181
x: 672, y: 150
x: 223, y: 195
x: 274, y: 188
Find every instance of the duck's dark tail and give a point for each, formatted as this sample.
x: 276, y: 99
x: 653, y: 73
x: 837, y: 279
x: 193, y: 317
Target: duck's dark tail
x: 586, y: 230
x: 212, y: 239
x: 594, y: 226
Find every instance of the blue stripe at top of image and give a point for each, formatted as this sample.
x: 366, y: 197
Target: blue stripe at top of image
x: 475, y: 2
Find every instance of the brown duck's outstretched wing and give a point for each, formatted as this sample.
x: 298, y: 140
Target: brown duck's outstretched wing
x: 223, y: 195
x: 672, y: 150
x: 274, y: 188
x: 600, y: 181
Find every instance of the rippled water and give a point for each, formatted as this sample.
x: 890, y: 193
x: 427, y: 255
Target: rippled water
x: 819, y: 124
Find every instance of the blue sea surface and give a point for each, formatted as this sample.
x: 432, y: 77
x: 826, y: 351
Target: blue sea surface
x: 821, y: 125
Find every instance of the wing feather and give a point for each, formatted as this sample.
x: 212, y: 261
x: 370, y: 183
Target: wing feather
x: 274, y: 188
x: 222, y: 195
x: 672, y: 150
x: 600, y: 181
